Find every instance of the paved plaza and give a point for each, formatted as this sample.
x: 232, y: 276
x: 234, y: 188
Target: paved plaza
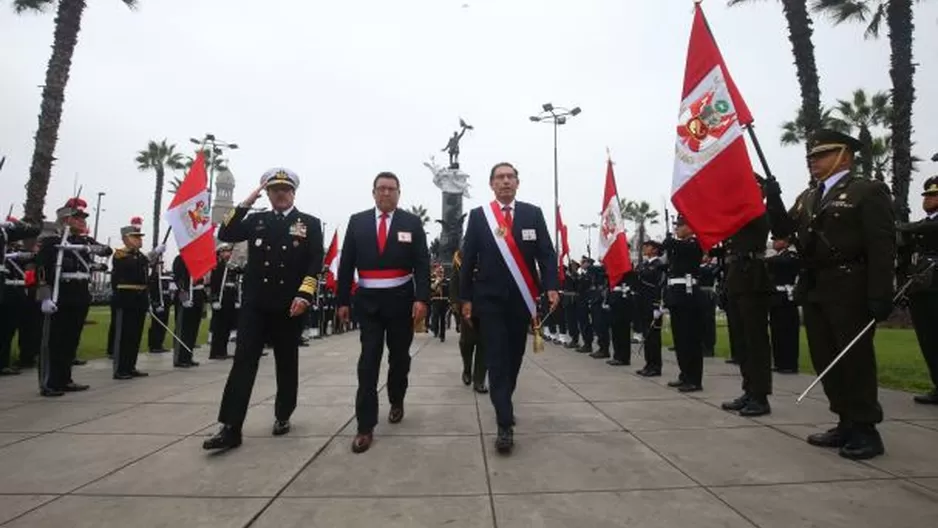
x: 596, y: 446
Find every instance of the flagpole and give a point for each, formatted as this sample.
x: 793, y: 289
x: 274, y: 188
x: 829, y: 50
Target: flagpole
x: 755, y: 143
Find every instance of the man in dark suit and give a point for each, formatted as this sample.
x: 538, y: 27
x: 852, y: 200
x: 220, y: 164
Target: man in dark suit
x: 504, y: 239
x: 284, y: 255
x: 388, y: 247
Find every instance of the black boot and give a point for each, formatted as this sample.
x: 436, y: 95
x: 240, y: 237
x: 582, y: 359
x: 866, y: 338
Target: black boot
x: 836, y: 437
x: 863, y: 443
x: 756, y: 406
x: 928, y: 399
x: 226, y: 438
x: 505, y: 440
x: 737, y: 404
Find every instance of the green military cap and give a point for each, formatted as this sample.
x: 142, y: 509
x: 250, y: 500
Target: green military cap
x: 826, y: 140
x: 931, y: 186
x: 131, y: 230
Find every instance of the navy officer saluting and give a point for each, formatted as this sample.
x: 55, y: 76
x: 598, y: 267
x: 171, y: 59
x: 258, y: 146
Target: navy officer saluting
x: 388, y: 246
x: 284, y: 255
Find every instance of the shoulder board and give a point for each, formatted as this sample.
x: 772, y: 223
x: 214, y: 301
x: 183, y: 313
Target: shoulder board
x: 121, y: 253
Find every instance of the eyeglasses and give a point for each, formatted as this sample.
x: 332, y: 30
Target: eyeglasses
x: 386, y: 190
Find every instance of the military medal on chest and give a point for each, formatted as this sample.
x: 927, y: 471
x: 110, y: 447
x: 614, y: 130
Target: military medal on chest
x: 298, y: 229
x: 501, y: 231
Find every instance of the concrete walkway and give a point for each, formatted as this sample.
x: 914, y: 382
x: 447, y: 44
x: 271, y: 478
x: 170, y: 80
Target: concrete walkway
x: 597, y: 446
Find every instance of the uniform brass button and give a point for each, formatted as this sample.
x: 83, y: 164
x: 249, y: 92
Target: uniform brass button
x: 284, y: 248
x: 281, y: 282
x: 265, y: 279
x: 266, y: 263
x: 281, y: 265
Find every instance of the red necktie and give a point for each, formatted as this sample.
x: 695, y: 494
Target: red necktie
x: 382, y: 233
x: 507, y: 210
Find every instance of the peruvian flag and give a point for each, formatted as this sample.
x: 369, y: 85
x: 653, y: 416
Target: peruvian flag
x: 564, y: 245
x: 613, y: 246
x: 332, y: 262
x: 189, y: 218
x: 713, y: 184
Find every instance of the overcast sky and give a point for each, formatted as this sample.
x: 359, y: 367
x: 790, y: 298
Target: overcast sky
x: 340, y: 90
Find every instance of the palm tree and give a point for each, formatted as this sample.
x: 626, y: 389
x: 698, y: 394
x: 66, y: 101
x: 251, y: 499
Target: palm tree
x: 65, y: 38
x: 157, y: 157
x: 898, y: 17
x: 435, y: 249
x: 795, y: 132
x: 641, y: 214
x: 862, y: 113
x: 421, y: 213
x: 802, y: 47
x: 217, y: 163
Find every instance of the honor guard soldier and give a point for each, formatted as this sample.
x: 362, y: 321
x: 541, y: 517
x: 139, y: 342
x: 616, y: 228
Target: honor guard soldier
x: 470, y: 343
x: 190, y: 303
x: 569, y: 302
x: 161, y: 290
x: 599, y: 309
x: 784, y: 318
x: 709, y: 271
x: 649, y: 289
x: 13, y: 290
x: 621, y: 312
x: 748, y: 289
x: 225, y: 290
x: 439, y: 303
x: 65, y: 266
x: 846, y: 236
x: 920, y: 257
x: 130, y: 301
x: 682, y: 298
x: 583, y: 305
x: 388, y: 247
x: 284, y: 256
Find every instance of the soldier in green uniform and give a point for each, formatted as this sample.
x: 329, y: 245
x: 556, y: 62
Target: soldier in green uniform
x: 470, y: 345
x: 919, y: 252
x: 845, y: 233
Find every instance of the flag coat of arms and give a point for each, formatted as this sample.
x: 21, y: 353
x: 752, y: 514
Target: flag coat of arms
x: 713, y: 184
x: 190, y: 219
x: 613, y: 245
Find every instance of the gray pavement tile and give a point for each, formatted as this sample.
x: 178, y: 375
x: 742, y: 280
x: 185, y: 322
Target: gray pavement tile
x: 307, y: 420
x: 452, y: 395
x: 686, y: 413
x: 401, y: 466
x: 635, y: 509
x: 14, y: 505
x: 597, y: 373
x: 898, y: 405
x: 47, y: 416
x: 259, y: 468
x: 532, y: 389
x: 423, y: 512
x: 450, y: 379
x: 551, y: 418
x: 930, y: 424
x: 869, y: 504
x: 212, y: 392
x: 320, y: 395
x: 751, y: 455
x: 142, y: 512
x: 786, y: 411
x: 12, y: 438
x: 426, y: 420
x: 152, y: 418
x: 58, y: 462
x: 9, y: 404
x: 578, y: 462
x: 625, y: 390
x: 930, y: 483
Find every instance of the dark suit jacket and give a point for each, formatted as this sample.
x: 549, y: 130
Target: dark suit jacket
x: 284, y: 256
x: 360, y: 251
x: 492, y: 288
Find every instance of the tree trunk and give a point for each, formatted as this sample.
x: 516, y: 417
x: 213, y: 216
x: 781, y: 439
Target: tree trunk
x: 158, y: 203
x: 799, y: 34
x: 902, y: 72
x: 67, y: 26
x: 866, y: 153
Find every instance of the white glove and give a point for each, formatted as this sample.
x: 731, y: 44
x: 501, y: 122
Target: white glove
x: 658, y: 314
x: 158, y: 309
x: 160, y: 249
x: 7, y: 225
x: 48, y: 307
x: 606, y: 307
x: 237, y: 305
x: 216, y: 306
x: 187, y: 304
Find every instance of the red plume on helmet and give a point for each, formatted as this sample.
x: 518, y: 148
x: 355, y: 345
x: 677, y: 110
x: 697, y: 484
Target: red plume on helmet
x: 12, y: 219
x: 136, y: 221
x: 76, y: 203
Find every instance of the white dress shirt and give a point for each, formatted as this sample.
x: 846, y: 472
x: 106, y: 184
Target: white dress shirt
x: 832, y: 181
x: 378, y: 214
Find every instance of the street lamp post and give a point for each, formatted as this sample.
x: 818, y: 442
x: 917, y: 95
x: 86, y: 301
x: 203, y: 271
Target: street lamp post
x: 589, y: 236
x: 97, y: 214
x: 216, y: 147
x: 557, y: 116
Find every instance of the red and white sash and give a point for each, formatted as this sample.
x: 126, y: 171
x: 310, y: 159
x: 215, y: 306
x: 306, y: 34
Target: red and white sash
x: 512, y: 255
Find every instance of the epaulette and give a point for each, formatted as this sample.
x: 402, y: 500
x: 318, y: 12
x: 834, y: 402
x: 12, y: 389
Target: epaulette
x: 121, y: 253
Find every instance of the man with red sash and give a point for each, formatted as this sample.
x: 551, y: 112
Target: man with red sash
x: 388, y: 247
x: 504, y: 240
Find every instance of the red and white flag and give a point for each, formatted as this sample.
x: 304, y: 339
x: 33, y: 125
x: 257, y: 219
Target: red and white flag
x: 613, y: 245
x: 564, y: 246
x: 189, y: 217
x: 713, y: 184
x: 332, y: 262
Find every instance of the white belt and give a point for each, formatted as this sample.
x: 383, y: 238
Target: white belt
x: 623, y: 289
x: 78, y: 275
x: 231, y: 285
x: 683, y: 281
x: 787, y: 289
x: 383, y: 284
x: 15, y: 282
x: 199, y: 287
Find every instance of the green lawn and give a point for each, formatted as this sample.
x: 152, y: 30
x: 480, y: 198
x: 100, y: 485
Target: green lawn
x: 900, y: 362
x: 94, y: 337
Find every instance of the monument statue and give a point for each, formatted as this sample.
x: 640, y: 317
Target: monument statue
x: 455, y: 186
x: 452, y: 146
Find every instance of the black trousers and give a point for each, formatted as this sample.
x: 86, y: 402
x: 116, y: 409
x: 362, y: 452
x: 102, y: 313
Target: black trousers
x: 734, y: 329
x: 851, y: 386
x: 503, y: 337
x: 924, y: 306
x: 128, y: 331
x: 650, y: 329
x: 110, y: 330
x: 254, y: 327
x: 621, y: 325
x: 10, y: 316
x: 438, y: 319
x: 156, y: 336
x: 64, y: 334
x: 688, y: 340
x: 29, y: 332
x: 600, y: 318
x: 188, y: 321
x: 472, y: 350
x: 570, y: 317
x: 785, y: 324
x: 755, y: 358
x: 223, y: 322
x: 709, y: 323
x: 583, y: 320
x: 389, y: 323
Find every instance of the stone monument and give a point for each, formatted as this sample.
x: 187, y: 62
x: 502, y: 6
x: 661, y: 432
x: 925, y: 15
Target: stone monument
x: 455, y: 186
x: 222, y: 203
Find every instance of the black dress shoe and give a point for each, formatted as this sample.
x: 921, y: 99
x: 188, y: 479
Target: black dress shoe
x: 226, y: 438
x: 505, y: 440
x: 617, y: 363
x: 181, y: 365
x: 9, y: 371
x: 836, y: 437
x: 572, y: 345
x: 138, y: 374
x: 159, y: 351
x: 396, y: 414
x: 864, y: 443
x: 649, y: 372
x: 281, y: 427
x: 735, y: 405
x: 75, y: 387
x: 193, y: 363
x: 676, y: 383
x: 362, y: 442
x: 122, y: 376
x: 756, y: 407
x: 927, y: 399
x: 466, y: 378
x: 480, y: 388
x: 690, y: 387
x: 79, y: 362
x: 585, y: 349
x: 600, y: 354
x: 51, y: 393
x: 731, y: 361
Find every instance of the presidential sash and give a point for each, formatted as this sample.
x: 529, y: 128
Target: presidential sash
x: 512, y: 255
